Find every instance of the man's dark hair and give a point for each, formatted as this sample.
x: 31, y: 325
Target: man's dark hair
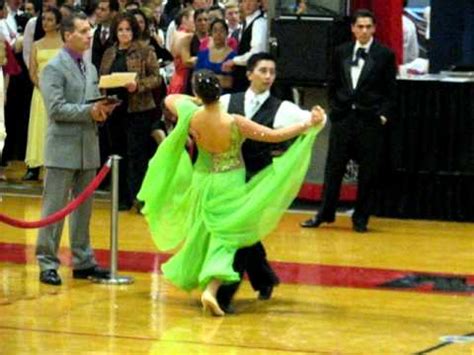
x: 363, y: 13
x: 132, y: 21
x: 68, y: 23
x: 258, y: 57
x: 113, y: 5
x: 206, y: 86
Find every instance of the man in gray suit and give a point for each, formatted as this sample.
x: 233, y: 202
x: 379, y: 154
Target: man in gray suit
x: 72, y: 149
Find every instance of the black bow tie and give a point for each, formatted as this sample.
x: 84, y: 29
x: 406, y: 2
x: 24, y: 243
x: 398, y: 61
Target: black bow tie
x: 360, y: 54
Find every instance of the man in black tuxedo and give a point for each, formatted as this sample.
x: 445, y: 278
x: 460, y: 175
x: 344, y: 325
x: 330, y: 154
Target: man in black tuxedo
x: 362, y: 89
x: 102, y: 39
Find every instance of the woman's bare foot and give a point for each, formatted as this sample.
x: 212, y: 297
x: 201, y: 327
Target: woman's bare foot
x: 209, y: 302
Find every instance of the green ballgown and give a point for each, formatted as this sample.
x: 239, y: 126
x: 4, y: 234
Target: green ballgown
x: 208, y: 210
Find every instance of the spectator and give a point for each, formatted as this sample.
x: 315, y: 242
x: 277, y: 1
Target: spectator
x: 216, y: 54
x: 42, y: 52
x: 129, y: 127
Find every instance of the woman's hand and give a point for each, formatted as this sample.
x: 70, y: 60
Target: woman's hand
x: 131, y: 86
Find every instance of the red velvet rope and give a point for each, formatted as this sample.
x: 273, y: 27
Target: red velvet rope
x: 57, y: 216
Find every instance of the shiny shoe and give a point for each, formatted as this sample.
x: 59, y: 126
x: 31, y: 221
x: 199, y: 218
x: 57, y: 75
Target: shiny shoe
x: 32, y: 174
x: 94, y: 271
x: 50, y: 277
x: 265, y: 293
x: 314, y: 222
x: 210, y: 303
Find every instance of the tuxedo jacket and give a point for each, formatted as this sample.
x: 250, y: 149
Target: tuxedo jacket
x: 375, y: 93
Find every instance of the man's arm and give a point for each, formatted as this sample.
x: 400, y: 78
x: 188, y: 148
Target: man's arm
x: 257, y: 44
x: 389, y: 86
x: 28, y: 40
x: 288, y: 114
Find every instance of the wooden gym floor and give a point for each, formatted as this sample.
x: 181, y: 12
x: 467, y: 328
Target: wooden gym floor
x: 402, y: 288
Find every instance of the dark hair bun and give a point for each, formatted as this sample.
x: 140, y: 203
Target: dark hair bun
x: 206, y: 86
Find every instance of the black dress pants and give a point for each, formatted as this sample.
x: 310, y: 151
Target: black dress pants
x: 358, y: 137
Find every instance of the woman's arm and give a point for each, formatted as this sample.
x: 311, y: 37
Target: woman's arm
x: 171, y: 100
x: 152, y: 67
x: 185, y: 51
x: 33, y: 67
x: 257, y: 132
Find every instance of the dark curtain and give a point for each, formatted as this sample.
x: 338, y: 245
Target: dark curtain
x: 430, y: 159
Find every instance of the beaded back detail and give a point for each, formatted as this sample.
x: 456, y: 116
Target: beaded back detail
x: 225, y: 161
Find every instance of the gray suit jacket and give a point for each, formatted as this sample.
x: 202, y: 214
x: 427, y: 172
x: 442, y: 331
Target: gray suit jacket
x: 72, y: 136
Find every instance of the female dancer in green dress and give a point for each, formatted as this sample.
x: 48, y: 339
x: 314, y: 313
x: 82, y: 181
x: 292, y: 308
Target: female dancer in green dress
x: 208, y: 209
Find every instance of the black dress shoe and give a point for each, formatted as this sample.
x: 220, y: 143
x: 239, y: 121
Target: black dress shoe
x: 360, y: 228
x: 314, y: 222
x: 123, y: 206
x: 228, y: 308
x: 265, y: 293
x: 94, y: 271
x: 50, y: 277
x: 32, y: 174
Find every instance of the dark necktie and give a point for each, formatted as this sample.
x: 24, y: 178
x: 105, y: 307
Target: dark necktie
x: 82, y: 66
x: 360, y: 54
x: 103, y: 36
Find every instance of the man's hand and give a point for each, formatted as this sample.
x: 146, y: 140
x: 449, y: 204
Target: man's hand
x: 318, y: 115
x: 101, y: 110
x: 228, y: 65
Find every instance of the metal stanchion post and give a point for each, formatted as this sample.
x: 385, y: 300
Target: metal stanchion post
x: 114, y: 278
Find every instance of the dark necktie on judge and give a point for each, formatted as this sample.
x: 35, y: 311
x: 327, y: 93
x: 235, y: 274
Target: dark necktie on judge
x: 82, y: 66
x: 360, y: 54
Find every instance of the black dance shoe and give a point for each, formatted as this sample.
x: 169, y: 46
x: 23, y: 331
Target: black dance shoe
x: 50, y: 277
x: 32, y: 174
x: 94, y: 271
x: 265, y: 293
x: 360, y: 228
x: 314, y: 222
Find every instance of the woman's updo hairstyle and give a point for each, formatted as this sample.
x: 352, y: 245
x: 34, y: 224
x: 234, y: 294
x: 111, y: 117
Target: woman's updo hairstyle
x: 206, y: 86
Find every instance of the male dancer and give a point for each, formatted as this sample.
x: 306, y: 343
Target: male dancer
x: 260, y: 106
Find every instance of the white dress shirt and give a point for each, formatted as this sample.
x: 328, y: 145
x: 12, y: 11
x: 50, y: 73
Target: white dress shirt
x: 357, y: 69
x: 288, y: 113
x: 258, y: 42
x: 170, y: 35
x: 28, y: 39
x: 410, y: 41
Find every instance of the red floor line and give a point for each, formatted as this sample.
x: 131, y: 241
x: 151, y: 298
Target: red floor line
x: 289, y: 272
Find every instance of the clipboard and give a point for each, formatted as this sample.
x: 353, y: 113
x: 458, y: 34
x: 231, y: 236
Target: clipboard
x: 116, y: 80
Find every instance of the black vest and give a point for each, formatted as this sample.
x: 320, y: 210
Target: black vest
x: 246, y: 39
x: 258, y: 155
x: 241, y: 82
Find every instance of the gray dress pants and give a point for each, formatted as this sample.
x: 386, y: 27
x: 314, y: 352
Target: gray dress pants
x: 59, y: 185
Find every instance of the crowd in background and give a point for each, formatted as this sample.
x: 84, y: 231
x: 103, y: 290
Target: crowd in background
x: 161, y: 42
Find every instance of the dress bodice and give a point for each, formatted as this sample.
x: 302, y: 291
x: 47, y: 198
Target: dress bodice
x: 220, y: 162
x: 43, y: 56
